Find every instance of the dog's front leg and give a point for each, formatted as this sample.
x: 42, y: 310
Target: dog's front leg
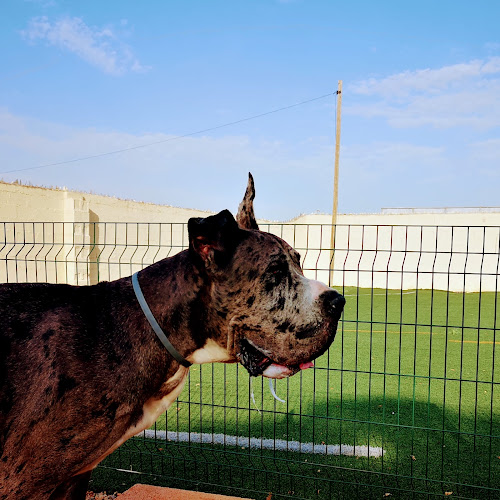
x: 74, y: 488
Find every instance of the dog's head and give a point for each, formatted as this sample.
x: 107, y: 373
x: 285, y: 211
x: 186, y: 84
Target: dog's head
x: 269, y: 316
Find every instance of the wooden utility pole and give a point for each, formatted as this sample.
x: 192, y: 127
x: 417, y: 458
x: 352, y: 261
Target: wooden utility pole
x: 335, y: 183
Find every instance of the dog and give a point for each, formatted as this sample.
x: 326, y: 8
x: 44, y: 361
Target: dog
x: 84, y: 368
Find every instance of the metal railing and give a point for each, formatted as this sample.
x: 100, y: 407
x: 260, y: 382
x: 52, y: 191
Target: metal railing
x: 405, y: 403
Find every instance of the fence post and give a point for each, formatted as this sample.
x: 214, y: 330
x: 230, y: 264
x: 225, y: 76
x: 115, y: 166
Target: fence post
x: 76, y: 239
x: 335, y: 184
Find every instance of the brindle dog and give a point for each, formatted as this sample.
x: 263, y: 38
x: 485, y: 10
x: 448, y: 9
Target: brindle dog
x: 81, y: 369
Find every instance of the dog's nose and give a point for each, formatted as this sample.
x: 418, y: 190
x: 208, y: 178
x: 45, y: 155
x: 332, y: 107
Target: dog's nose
x: 333, y: 303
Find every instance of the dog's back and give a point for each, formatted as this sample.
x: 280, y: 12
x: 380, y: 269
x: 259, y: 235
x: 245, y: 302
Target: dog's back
x: 49, y: 336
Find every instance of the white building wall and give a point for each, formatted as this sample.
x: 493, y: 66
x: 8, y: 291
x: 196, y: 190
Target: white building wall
x: 80, y: 242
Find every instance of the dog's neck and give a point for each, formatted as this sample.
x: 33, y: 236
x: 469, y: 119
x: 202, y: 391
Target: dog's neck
x: 174, y: 289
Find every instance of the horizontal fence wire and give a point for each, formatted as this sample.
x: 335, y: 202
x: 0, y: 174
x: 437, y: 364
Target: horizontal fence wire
x: 405, y: 402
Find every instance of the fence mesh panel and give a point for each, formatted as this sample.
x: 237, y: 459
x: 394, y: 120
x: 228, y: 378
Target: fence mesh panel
x: 405, y: 403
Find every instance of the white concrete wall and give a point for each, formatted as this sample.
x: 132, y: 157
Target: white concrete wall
x: 447, y: 251
x: 87, y: 238
x: 57, y: 235
x: 37, y: 204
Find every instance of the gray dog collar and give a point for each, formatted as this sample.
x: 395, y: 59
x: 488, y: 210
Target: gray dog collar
x: 154, y: 324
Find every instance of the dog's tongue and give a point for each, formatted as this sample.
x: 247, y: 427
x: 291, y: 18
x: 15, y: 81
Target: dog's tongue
x: 281, y: 371
x: 305, y: 366
x: 302, y: 366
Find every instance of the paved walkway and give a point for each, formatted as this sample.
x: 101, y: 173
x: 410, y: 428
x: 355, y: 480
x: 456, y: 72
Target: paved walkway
x: 146, y: 492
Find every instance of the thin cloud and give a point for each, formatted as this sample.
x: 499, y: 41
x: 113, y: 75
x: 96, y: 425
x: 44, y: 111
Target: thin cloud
x: 200, y: 172
x: 178, y: 172
x: 492, y: 46
x: 100, y: 47
x: 427, y: 81
x: 486, y: 151
x: 466, y: 94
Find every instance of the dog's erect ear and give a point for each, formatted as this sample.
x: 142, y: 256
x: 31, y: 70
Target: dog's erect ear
x: 246, y: 216
x: 214, y: 238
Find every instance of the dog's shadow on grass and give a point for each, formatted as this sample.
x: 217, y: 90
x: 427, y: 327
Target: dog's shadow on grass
x: 425, y: 448
x: 453, y: 444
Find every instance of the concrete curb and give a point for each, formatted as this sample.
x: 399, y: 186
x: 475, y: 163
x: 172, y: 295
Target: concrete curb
x: 147, y: 492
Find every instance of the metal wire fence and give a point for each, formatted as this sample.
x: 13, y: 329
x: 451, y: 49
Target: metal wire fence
x: 405, y: 403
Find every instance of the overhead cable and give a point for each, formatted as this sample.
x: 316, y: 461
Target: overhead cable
x: 178, y: 137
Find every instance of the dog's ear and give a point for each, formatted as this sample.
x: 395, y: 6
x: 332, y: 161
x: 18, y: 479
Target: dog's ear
x: 246, y: 216
x: 214, y: 238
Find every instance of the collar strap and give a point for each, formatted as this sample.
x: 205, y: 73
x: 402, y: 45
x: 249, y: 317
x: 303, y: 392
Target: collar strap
x: 154, y: 324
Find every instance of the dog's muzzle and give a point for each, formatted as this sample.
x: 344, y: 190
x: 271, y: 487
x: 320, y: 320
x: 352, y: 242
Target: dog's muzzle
x: 257, y: 361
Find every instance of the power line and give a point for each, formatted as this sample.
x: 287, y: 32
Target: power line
x: 31, y: 69
x: 176, y: 138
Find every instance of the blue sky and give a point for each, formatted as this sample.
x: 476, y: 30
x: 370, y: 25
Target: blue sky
x: 420, y: 102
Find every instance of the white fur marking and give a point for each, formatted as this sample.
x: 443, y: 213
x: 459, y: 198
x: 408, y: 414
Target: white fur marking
x: 151, y: 411
x: 211, y: 352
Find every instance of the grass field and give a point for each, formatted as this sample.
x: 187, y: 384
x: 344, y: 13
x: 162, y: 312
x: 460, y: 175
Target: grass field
x: 413, y: 372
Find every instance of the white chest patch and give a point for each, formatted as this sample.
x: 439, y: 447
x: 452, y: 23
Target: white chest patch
x: 211, y: 352
x: 152, y: 409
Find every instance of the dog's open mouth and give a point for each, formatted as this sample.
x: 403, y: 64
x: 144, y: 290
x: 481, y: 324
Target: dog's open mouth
x: 258, y: 362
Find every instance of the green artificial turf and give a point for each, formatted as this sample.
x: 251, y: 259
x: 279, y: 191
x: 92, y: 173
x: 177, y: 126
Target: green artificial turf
x: 413, y: 372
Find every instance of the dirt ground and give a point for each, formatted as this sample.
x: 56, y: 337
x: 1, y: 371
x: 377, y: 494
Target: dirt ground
x: 101, y: 496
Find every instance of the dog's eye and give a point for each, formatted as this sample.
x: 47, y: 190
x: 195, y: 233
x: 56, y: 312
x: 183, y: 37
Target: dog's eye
x: 275, y: 268
x: 276, y: 278
x: 276, y: 273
